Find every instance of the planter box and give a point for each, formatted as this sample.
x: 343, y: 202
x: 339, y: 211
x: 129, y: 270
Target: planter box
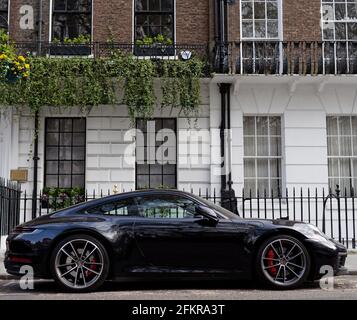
x: 154, y: 51
x: 70, y: 50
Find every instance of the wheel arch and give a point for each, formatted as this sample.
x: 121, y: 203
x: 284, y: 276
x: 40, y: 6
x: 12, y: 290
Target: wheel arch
x: 105, y: 242
x: 283, y: 232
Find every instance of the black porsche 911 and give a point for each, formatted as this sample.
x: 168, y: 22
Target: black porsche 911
x: 165, y: 232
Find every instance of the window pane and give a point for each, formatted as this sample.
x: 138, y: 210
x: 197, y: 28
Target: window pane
x: 275, y: 146
x: 275, y: 168
x: 340, y: 31
x: 247, y: 29
x: 78, y: 181
x: 65, y: 167
x: 249, y: 146
x: 263, y: 168
x: 332, y: 126
x: 79, y: 139
x: 52, y: 139
x: 78, y: 153
x: 167, y: 5
x: 273, y: 29
x: 332, y: 146
x: 169, y: 181
x: 143, y: 181
x: 345, y: 125
x: 352, y: 10
x: 52, y: 125
x: 66, y: 125
x: 65, y: 139
x: 52, y: 167
x: 263, y: 146
x: 249, y: 126
x: 249, y: 168
x: 352, y: 31
x: 260, y: 31
x: 345, y: 168
x: 249, y: 186
x: 340, y: 11
x: 259, y: 10
x: 345, y: 146
x: 263, y: 186
x: 141, y: 5
x: 65, y: 181
x: 333, y: 170
x: 78, y: 167
x: 272, y: 10
x: 262, y: 126
x: 247, y: 10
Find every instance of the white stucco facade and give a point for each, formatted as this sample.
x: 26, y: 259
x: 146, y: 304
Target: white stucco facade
x: 303, y: 103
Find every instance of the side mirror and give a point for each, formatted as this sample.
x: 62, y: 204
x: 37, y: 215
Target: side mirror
x: 207, y: 214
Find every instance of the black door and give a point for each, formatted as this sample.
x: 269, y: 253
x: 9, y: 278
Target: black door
x: 171, y: 236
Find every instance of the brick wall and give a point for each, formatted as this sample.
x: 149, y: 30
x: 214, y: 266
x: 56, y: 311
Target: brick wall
x: 302, y: 20
x: 194, y: 20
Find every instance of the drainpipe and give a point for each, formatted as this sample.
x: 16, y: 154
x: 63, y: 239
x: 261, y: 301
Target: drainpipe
x: 40, y: 18
x: 35, y: 167
x: 35, y: 143
x: 227, y: 193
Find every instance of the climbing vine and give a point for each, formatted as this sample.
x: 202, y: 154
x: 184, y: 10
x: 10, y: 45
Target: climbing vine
x: 83, y: 82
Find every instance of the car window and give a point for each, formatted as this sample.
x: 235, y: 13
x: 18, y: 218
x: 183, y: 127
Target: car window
x: 125, y: 207
x: 166, y: 206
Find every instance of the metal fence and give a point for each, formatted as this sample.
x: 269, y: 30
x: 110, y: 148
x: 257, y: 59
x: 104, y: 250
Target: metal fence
x: 10, y: 195
x: 287, y: 57
x: 333, y: 211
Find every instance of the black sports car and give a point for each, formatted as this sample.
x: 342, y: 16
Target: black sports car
x: 166, y: 232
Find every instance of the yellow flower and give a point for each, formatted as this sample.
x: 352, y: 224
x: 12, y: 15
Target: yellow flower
x: 21, y: 58
x: 26, y: 74
x: 27, y: 66
x: 2, y: 56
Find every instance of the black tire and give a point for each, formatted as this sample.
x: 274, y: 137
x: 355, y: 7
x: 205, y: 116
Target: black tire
x: 102, y: 271
x: 283, y: 268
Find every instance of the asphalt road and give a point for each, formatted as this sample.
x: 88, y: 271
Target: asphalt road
x: 345, y: 288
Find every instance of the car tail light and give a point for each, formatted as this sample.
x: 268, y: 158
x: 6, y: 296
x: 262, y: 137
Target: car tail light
x: 18, y: 259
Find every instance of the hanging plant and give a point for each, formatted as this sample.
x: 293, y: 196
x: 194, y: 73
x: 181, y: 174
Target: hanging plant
x: 12, y: 66
x: 86, y: 83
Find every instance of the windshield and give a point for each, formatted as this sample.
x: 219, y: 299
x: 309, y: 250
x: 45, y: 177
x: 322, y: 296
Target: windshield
x: 224, y: 212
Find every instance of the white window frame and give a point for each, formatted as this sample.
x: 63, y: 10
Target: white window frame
x: 8, y: 16
x: 335, y: 42
x: 255, y: 158
x: 50, y: 21
x: 339, y: 156
x: 254, y: 39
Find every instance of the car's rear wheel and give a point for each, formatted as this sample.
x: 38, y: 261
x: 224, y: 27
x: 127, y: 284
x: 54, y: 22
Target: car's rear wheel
x: 79, y: 263
x: 283, y: 262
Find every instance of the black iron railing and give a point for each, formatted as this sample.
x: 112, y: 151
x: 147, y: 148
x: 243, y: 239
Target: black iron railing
x: 286, y: 57
x: 10, y: 195
x: 99, y: 49
x: 333, y: 211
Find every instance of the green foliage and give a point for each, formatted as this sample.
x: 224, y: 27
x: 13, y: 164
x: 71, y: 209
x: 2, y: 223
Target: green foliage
x: 83, y: 82
x: 59, y: 198
x: 82, y: 39
x: 152, y: 41
x: 12, y: 66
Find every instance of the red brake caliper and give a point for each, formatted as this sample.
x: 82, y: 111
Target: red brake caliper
x: 92, y: 267
x: 271, y: 255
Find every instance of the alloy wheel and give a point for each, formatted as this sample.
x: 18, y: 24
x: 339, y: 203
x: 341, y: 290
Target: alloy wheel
x: 79, y: 263
x: 283, y: 262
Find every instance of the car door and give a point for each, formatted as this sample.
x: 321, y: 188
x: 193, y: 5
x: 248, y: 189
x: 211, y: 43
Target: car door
x: 117, y: 226
x: 171, y: 236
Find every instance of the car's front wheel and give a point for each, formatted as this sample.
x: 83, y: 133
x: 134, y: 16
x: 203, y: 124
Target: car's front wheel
x: 79, y: 263
x: 283, y: 262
